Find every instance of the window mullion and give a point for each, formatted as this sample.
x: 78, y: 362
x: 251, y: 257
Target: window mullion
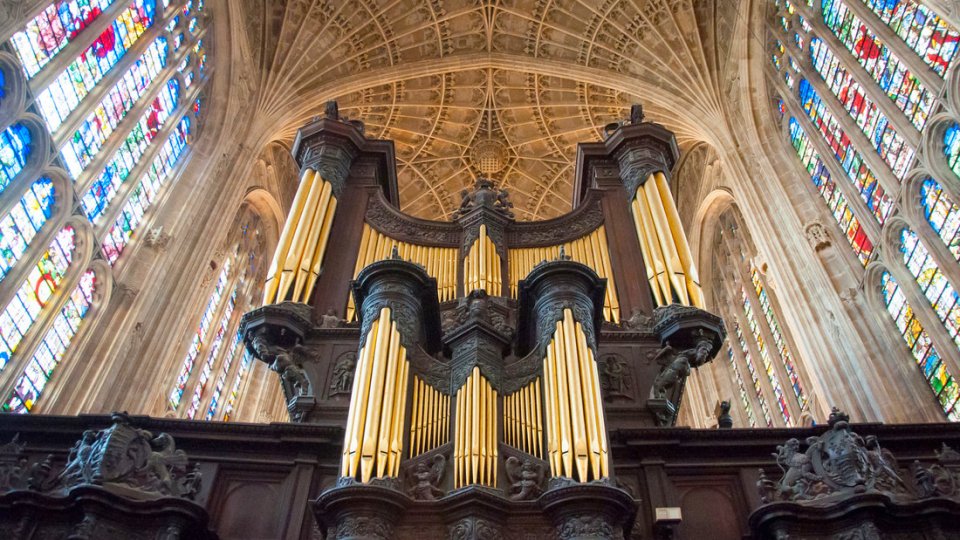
x: 896, y: 117
x: 84, y: 39
x: 838, y: 175
x: 923, y: 311
x: 113, y: 209
x: 928, y: 77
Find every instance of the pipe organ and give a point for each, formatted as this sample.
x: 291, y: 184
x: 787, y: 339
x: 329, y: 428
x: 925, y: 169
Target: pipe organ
x: 444, y: 377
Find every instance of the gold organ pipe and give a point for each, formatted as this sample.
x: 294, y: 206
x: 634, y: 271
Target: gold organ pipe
x: 482, y: 252
x: 298, y: 244
x: 461, y: 428
x: 598, y: 405
x: 491, y: 435
x: 475, y: 421
x: 566, y: 435
x: 321, y: 250
x: 580, y: 447
x: 388, y: 402
x: 552, y: 403
x: 667, y: 246
x: 608, y: 271
x: 396, y: 442
x: 538, y: 447
x: 414, y: 418
x: 481, y: 429
x: 358, y: 401
x: 283, y: 245
x: 648, y: 231
x: 589, y: 403
x: 680, y: 240
x: 311, y: 240
x: 375, y: 396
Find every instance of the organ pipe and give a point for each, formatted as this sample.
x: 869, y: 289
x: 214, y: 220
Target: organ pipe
x: 522, y: 418
x: 666, y: 252
x: 475, y: 450
x: 298, y: 259
x: 591, y: 250
x: 430, y: 419
x: 374, y: 431
x: 439, y: 262
x: 576, y: 434
x: 482, y: 265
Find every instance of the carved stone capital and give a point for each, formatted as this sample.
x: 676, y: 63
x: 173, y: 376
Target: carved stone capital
x: 594, y: 511
x: 355, y: 511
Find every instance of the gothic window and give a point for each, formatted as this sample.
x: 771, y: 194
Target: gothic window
x: 921, y: 346
x: 758, y: 346
x: 875, y: 78
x: 200, y: 385
x: 116, y: 117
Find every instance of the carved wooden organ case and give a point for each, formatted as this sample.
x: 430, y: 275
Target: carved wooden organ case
x: 481, y: 355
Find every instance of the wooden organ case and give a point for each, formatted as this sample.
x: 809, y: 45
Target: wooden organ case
x: 478, y: 365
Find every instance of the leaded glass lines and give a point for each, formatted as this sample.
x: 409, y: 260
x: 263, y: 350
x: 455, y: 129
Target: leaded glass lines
x: 927, y: 34
x: 49, y: 32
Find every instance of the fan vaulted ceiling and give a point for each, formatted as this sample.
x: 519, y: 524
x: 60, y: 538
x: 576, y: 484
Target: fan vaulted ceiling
x: 502, y: 88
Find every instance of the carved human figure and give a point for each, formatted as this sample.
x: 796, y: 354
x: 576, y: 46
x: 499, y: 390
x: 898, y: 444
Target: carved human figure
x: 343, y: 373
x: 425, y: 478
x: 330, y: 319
x: 636, y: 321
x: 294, y: 379
x: 525, y: 478
x: 677, y: 368
x: 613, y: 377
x: 883, y: 465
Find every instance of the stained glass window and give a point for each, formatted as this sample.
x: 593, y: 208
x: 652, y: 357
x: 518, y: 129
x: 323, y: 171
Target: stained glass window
x: 765, y: 358
x: 951, y: 147
x: 779, y: 340
x: 144, y: 194
x: 850, y: 160
x: 19, y: 315
x: 198, y: 339
x: 70, y: 87
x: 933, y: 284
x: 237, y: 382
x: 15, y: 146
x: 54, y: 345
x: 862, y: 246
x: 943, y: 214
x: 754, y: 375
x: 19, y: 227
x: 921, y: 347
x: 874, y: 124
x: 236, y: 348
x: 887, y: 70
x: 100, y: 123
x: 778, y: 52
x: 920, y: 28
x: 212, y: 356
x: 50, y: 31
x: 105, y: 187
x: 744, y: 395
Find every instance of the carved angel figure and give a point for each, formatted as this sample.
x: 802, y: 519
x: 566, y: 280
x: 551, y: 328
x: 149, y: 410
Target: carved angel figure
x: 294, y: 379
x: 525, y: 478
x: 426, y: 477
x: 676, y: 369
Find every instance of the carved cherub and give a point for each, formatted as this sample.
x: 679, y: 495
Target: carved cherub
x: 883, y: 465
x: 426, y: 476
x: 330, y: 319
x: 294, y: 379
x: 163, y: 459
x: 525, y: 478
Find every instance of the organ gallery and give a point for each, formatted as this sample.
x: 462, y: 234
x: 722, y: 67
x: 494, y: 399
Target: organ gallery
x: 499, y: 270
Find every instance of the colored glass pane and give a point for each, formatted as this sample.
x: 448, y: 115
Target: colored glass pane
x: 754, y: 375
x: 236, y: 348
x: 951, y: 147
x: 50, y: 31
x: 934, y: 285
x: 926, y: 33
x: 54, y: 345
x: 773, y: 324
x: 887, y: 70
x: 70, y: 87
x: 87, y: 141
x: 198, y: 339
x: 238, y: 380
x: 943, y: 214
x: 862, y: 246
x: 777, y: 54
x: 744, y: 396
x: 212, y: 356
x: 765, y: 358
x: 15, y: 147
x: 18, y: 316
x: 144, y: 194
x: 19, y: 227
x: 201, y: 54
x: 872, y: 122
x: 921, y: 347
x: 103, y: 190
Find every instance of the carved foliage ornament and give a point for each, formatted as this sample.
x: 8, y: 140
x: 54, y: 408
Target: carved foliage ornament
x: 472, y: 528
x: 581, y: 222
x: 389, y: 221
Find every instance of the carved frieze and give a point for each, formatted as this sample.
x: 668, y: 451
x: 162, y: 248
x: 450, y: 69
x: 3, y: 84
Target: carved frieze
x: 583, y: 220
x: 385, y: 218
